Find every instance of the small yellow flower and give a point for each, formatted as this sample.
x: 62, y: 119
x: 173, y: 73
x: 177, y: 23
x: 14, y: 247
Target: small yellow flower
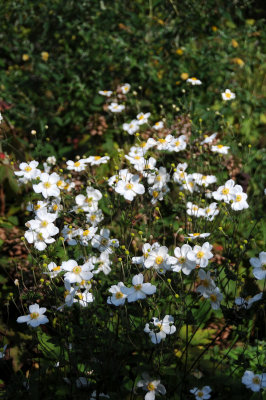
x: 25, y: 57
x: 45, y: 55
x: 179, y: 52
x: 238, y: 61
x: 184, y: 76
x: 234, y: 43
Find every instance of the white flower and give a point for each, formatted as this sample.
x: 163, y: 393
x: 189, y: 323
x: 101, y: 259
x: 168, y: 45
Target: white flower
x: 89, y: 202
x: 94, y: 217
x: 225, y: 193
x: 158, y: 193
x: 48, y: 185
x: 211, y: 211
x: 216, y: 297
x: 28, y: 171
x: 103, y: 242
x: 194, y: 210
x: 69, y: 293
x: 84, y: 298
x: 209, y: 139
x: 97, y: 160
x: 220, y: 148
x: 125, y: 88
x: 201, y: 254
x: 102, y: 263
x: 204, y: 180
x: 129, y: 189
x: 139, y: 290
x: 255, y: 382
x: 143, y: 118
x: 101, y: 396
x: 259, y: 265
x: 158, y: 125
x: 159, y: 259
x: 152, y: 386
x: 164, y: 143
x: 146, y: 249
x: 131, y: 127
x: 239, y: 199
x: 207, y: 285
x: 54, y: 269
x: 180, y: 175
x: 118, y: 297
x: 36, y: 316
x: 247, y: 303
x: 189, y: 184
x: 77, y: 273
x: 193, y: 236
x: 84, y: 236
x: 182, y: 261
x: 115, y: 108
x: 158, y: 330
x: 228, y: 95
x: 40, y: 243
x: 51, y: 160
x: 159, y: 178
x: 201, y: 394
x: 194, y: 81
x: 106, y: 93
x: 178, y: 144
x: 43, y: 223
x: 76, y: 166
x: 123, y: 175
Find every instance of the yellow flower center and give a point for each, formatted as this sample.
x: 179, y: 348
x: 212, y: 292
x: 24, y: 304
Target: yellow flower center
x: 129, y: 186
x: 228, y: 95
x: 86, y: 232
x: 155, y: 193
x: 34, y: 315
x: 59, y: 183
x: 194, y: 79
x: 47, y: 185
x: 208, y: 210
x: 150, y: 387
x: 44, y: 224
x: 220, y: 146
x: 96, y: 158
x: 213, y: 297
x: 256, y: 380
x: 55, y: 207
x: 181, y: 174
x: 177, y: 143
x: 66, y: 293
x: 143, y: 144
x: 57, y: 268
x: 28, y: 169
x: 181, y: 260
x: 196, y: 234
x: 137, y: 287
x: 92, y: 217
x: 205, y: 283
x: 225, y: 191
x: 195, y: 208
x: 200, y: 394
x: 200, y: 254
x: 104, y: 242
x: 157, y: 123
x: 36, y: 207
x: 141, y: 117
x: 76, y: 270
x: 159, y: 260
x: 137, y: 157
x: 162, y: 140
x: 77, y: 164
x: 119, y: 295
x: 238, y: 197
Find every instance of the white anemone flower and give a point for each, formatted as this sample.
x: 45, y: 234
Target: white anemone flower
x: 201, y: 394
x: 201, y: 254
x: 207, y: 285
x: 239, y: 201
x: 129, y: 189
x: 77, y: 166
x: 116, y: 108
x: 77, y: 273
x: 125, y: 88
x: 220, y: 148
x: 193, y: 236
x: 48, y: 185
x: 158, y: 125
x: 36, y: 316
x: 228, y: 95
x: 118, y: 298
x: 194, y: 81
x: 106, y: 93
x: 216, y: 297
x: 159, y: 259
x: 131, y: 127
x: 255, y: 382
x: 97, y: 160
x: 247, y: 303
x: 28, y: 171
x: 209, y: 139
x: 226, y: 192
x: 259, y: 265
x: 183, y: 263
x: 151, y: 386
x: 103, y: 242
x: 158, y: 329
x: 139, y: 290
x: 143, y: 118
